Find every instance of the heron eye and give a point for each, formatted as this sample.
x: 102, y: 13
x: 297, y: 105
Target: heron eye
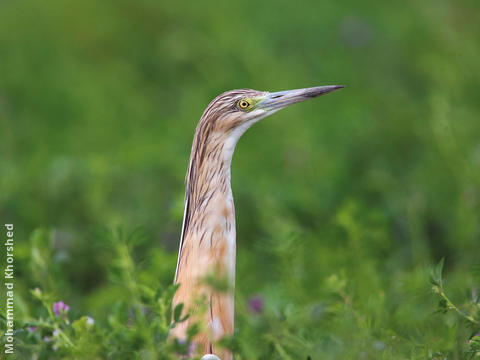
x: 243, y: 104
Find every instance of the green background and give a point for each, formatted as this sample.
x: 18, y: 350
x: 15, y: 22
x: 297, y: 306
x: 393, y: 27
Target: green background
x: 342, y: 203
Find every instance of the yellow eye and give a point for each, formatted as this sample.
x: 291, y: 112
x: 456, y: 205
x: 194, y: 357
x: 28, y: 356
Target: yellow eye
x: 243, y: 104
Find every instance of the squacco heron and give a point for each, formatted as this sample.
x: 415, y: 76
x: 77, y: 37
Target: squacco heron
x: 208, y: 240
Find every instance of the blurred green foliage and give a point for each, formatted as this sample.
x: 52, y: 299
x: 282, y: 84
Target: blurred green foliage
x: 343, y: 203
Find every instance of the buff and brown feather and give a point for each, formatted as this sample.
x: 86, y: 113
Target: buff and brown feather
x: 207, y: 245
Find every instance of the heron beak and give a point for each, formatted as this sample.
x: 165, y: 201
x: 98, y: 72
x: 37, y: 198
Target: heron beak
x: 281, y: 99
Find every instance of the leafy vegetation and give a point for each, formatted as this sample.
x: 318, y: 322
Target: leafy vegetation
x: 346, y: 205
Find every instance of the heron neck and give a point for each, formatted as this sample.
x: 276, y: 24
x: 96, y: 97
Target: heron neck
x: 211, y: 175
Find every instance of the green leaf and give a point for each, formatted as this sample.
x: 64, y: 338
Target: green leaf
x: 146, y: 293
x: 436, y: 274
x: 193, y: 330
x: 177, y: 313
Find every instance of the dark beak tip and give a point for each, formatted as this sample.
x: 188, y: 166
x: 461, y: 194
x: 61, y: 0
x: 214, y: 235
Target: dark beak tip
x: 332, y: 88
x: 322, y: 90
x: 336, y: 87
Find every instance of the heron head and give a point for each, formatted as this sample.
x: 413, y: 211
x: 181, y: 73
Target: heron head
x: 233, y: 112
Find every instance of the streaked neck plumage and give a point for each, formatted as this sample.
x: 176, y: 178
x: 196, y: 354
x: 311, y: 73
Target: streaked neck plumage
x: 207, y: 247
